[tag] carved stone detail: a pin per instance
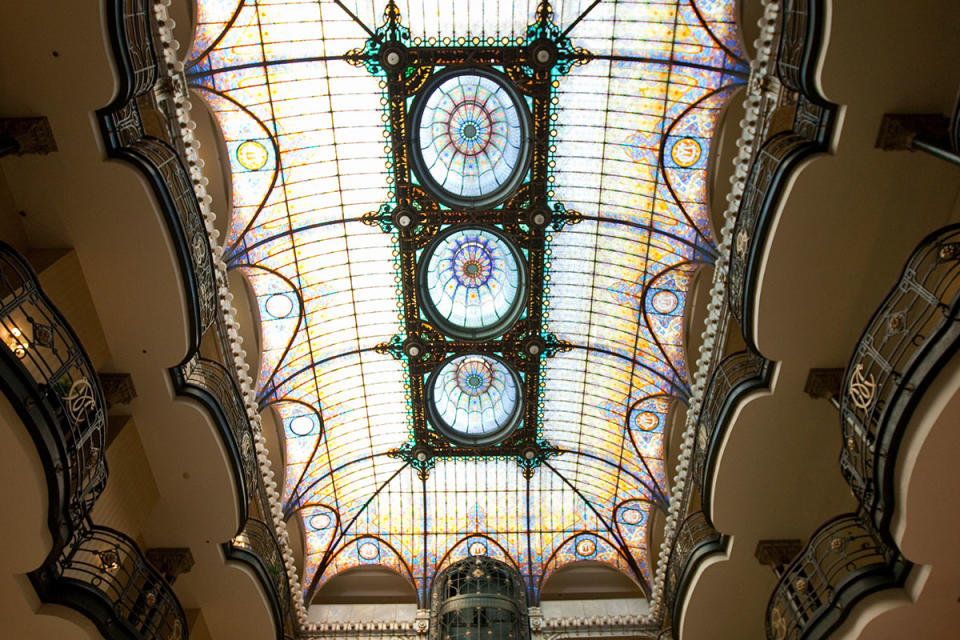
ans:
(777, 554)
(30, 135)
(117, 388)
(824, 383)
(422, 622)
(899, 130)
(536, 619)
(170, 561)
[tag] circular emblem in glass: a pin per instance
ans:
(472, 282)
(471, 140)
(474, 399)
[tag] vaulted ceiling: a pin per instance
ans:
(413, 438)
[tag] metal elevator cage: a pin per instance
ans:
(479, 598)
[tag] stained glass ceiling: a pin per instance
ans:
(534, 434)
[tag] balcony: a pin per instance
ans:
(695, 540)
(733, 378)
(844, 561)
(102, 573)
(50, 380)
(791, 122)
(142, 126)
(911, 335)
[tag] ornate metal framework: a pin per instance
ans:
(407, 67)
(479, 597)
(911, 335)
(796, 121)
(143, 125)
(844, 560)
(429, 217)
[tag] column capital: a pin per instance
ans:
(170, 561)
(824, 383)
(117, 388)
(777, 554)
(29, 135)
(899, 131)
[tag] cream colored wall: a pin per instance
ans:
(131, 493)
(11, 227)
(846, 227)
(61, 277)
(26, 539)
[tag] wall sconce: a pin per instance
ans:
(15, 343)
(109, 560)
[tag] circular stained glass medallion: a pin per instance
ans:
(473, 282)
(279, 305)
(320, 521)
(647, 420)
(474, 399)
(252, 155)
(664, 301)
(631, 516)
(368, 551)
(301, 425)
(470, 131)
(478, 549)
(586, 547)
(686, 152)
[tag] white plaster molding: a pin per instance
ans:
(175, 69)
(760, 69)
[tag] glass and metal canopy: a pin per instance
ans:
(470, 228)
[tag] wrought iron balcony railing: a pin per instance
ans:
(912, 333)
(696, 538)
(102, 573)
(845, 560)
(52, 383)
(211, 383)
(735, 375)
(140, 127)
(258, 541)
(50, 378)
(795, 122)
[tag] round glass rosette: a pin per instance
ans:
(474, 399)
(472, 282)
(470, 138)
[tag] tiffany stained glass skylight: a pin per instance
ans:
(319, 103)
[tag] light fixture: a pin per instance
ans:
(109, 560)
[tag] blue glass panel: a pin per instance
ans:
(472, 138)
(473, 279)
(476, 395)
(629, 142)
